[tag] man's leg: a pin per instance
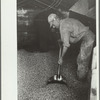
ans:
(84, 56)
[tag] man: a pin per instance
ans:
(72, 31)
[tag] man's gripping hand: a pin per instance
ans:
(60, 61)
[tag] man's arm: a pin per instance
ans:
(65, 47)
(64, 50)
(61, 56)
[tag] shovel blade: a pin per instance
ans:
(56, 79)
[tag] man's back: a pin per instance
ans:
(74, 26)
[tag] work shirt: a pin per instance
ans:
(71, 31)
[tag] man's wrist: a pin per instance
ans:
(67, 46)
(61, 58)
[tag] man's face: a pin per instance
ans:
(54, 24)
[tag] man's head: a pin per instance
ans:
(53, 20)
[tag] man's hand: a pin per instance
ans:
(60, 61)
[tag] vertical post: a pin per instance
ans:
(93, 89)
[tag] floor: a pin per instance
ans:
(34, 70)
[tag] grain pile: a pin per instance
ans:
(34, 69)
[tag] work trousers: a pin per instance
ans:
(85, 52)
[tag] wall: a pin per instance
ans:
(85, 7)
(80, 7)
(24, 19)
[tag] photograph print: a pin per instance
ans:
(56, 50)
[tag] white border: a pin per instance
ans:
(9, 49)
(97, 43)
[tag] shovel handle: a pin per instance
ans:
(60, 53)
(59, 70)
(60, 48)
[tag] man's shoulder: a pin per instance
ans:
(66, 21)
(66, 24)
(70, 19)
